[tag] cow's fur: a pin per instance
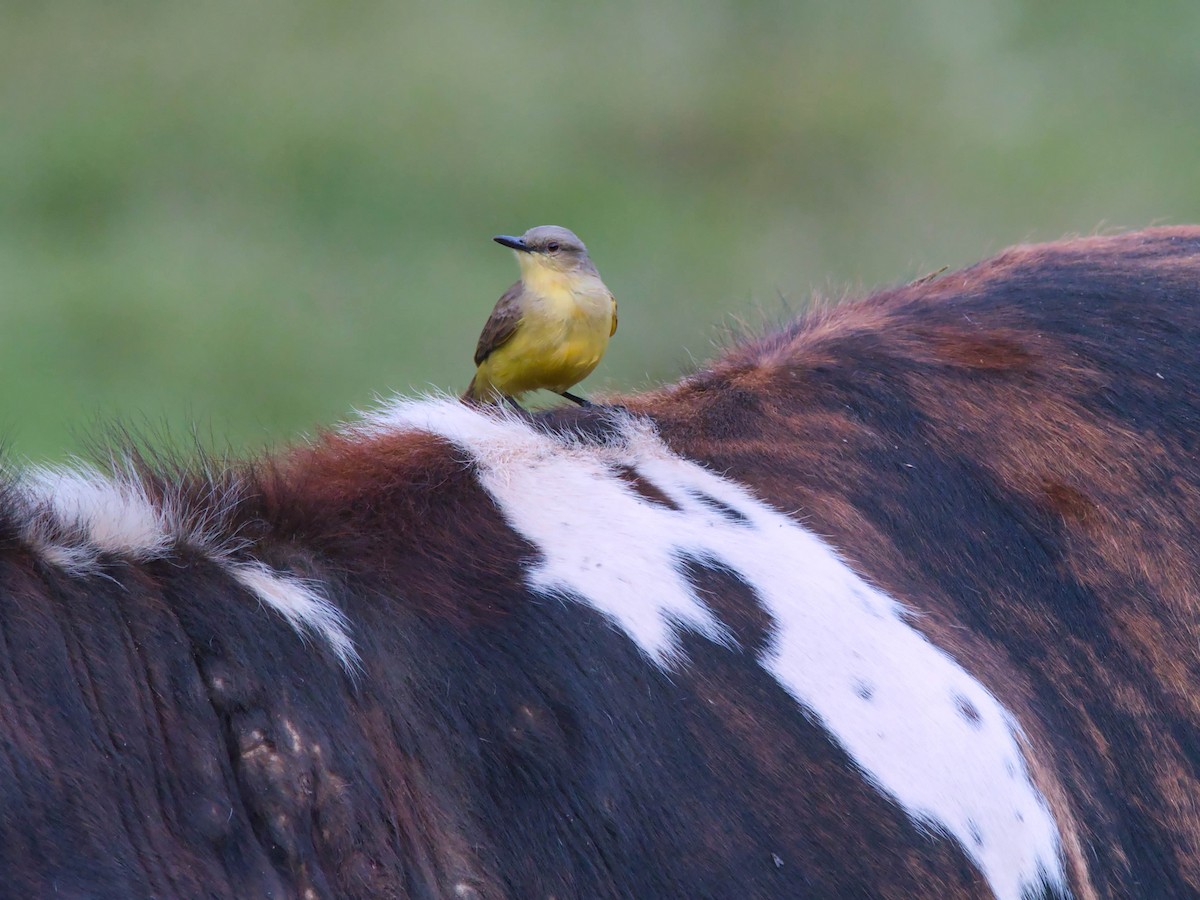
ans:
(902, 600)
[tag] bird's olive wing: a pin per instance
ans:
(501, 324)
(614, 327)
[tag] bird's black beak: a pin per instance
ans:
(515, 242)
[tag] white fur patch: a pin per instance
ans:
(842, 648)
(299, 601)
(77, 514)
(73, 516)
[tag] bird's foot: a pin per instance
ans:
(586, 404)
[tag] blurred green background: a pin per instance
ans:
(253, 217)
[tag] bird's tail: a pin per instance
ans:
(468, 396)
(476, 397)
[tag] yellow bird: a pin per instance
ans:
(550, 329)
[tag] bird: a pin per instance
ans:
(550, 329)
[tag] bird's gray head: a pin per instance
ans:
(549, 246)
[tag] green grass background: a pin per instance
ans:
(249, 218)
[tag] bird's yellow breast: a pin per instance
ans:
(562, 335)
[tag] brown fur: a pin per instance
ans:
(1024, 372)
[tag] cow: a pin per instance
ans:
(901, 599)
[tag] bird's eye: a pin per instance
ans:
(552, 246)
